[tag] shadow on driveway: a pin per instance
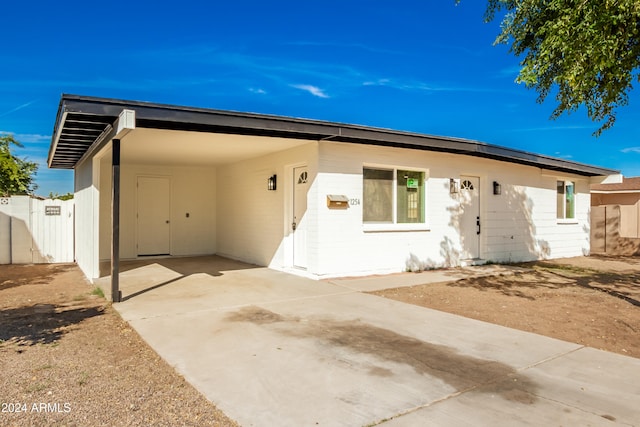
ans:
(462, 372)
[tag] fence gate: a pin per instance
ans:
(36, 231)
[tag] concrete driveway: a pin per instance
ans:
(273, 349)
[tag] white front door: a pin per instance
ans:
(299, 223)
(154, 213)
(470, 216)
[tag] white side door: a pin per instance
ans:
(470, 216)
(299, 223)
(154, 213)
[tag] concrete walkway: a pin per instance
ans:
(273, 349)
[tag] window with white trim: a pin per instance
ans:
(393, 196)
(566, 200)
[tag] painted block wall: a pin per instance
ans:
(520, 224)
(253, 223)
(193, 191)
(86, 198)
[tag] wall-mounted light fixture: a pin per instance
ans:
(497, 188)
(271, 183)
(454, 186)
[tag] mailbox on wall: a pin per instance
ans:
(337, 201)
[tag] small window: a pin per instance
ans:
(566, 200)
(410, 196)
(393, 196)
(467, 185)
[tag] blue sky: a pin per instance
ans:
(422, 66)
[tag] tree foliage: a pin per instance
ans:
(67, 196)
(16, 174)
(586, 50)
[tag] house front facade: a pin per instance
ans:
(315, 198)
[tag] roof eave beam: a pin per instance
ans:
(56, 138)
(124, 124)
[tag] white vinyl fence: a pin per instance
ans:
(36, 231)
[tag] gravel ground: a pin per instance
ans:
(593, 301)
(68, 359)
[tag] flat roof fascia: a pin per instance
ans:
(173, 117)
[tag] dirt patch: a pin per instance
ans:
(594, 301)
(69, 359)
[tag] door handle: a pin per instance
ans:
(478, 225)
(293, 226)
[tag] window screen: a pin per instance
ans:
(377, 195)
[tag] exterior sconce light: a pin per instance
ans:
(454, 186)
(271, 183)
(497, 188)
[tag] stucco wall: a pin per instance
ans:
(520, 224)
(599, 199)
(628, 221)
(615, 230)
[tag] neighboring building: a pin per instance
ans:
(615, 217)
(317, 198)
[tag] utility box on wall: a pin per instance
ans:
(337, 201)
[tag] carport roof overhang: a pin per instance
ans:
(83, 124)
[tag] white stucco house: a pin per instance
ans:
(317, 198)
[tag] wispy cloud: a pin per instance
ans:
(413, 85)
(240, 68)
(227, 62)
(32, 138)
(549, 128)
(512, 71)
(313, 90)
(631, 150)
(350, 46)
(28, 138)
(18, 108)
(258, 91)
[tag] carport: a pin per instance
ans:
(154, 181)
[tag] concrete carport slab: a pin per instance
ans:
(269, 348)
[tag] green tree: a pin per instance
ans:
(55, 195)
(16, 174)
(587, 51)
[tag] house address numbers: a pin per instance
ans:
(52, 210)
(354, 202)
